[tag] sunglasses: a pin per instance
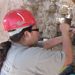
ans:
(35, 29)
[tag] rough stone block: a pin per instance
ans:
(63, 9)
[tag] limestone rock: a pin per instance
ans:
(63, 9)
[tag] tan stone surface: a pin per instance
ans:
(3, 11)
(50, 12)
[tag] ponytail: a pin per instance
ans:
(4, 47)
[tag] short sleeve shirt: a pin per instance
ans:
(22, 60)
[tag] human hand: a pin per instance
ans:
(64, 27)
(72, 32)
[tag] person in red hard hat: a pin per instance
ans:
(23, 54)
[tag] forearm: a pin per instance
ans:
(52, 42)
(67, 46)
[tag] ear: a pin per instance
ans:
(27, 34)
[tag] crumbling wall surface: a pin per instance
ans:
(15, 4)
(5, 6)
(3, 11)
(73, 19)
(45, 12)
(50, 12)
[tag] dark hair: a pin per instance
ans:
(5, 46)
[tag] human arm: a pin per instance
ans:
(57, 40)
(67, 45)
(52, 42)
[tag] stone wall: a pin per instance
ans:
(3, 10)
(50, 12)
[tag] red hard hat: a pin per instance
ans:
(18, 18)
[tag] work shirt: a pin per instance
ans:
(22, 60)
